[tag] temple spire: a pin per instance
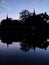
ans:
(7, 16)
(34, 12)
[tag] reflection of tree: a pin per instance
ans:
(29, 44)
(25, 47)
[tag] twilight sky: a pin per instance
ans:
(14, 7)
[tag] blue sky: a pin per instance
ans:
(14, 7)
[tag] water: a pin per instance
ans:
(13, 54)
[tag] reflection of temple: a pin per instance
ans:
(34, 43)
(27, 46)
(29, 41)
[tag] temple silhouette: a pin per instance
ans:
(31, 29)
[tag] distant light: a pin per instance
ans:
(47, 21)
(47, 40)
(44, 19)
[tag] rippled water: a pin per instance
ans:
(13, 55)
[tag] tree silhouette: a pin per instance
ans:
(24, 14)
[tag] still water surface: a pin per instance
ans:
(13, 55)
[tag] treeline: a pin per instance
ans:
(29, 26)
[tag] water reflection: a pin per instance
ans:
(27, 41)
(14, 56)
(25, 49)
